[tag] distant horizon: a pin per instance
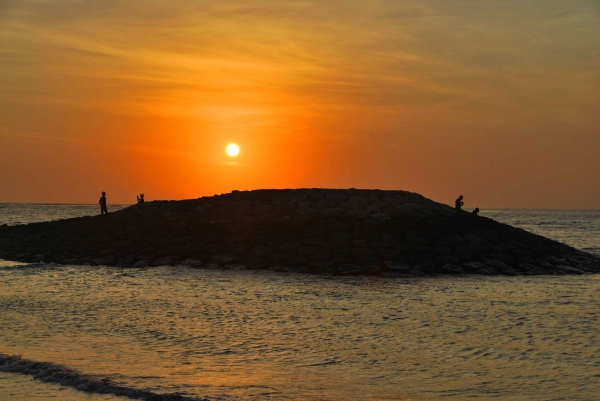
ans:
(450, 204)
(159, 200)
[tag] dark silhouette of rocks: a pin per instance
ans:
(320, 231)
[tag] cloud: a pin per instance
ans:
(388, 79)
(368, 54)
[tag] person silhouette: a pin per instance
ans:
(458, 204)
(102, 203)
(475, 211)
(140, 198)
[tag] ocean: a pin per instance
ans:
(251, 335)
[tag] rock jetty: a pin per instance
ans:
(319, 231)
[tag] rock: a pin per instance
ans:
(140, 264)
(397, 267)
(443, 250)
(359, 201)
(402, 211)
(335, 196)
(452, 269)
(372, 198)
(303, 197)
(501, 267)
(318, 231)
(327, 271)
(473, 267)
(443, 260)
(166, 261)
(257, 264)
(261, 251)
(203, 207)
(480, 268)
(222, 224)
(381, 217)
(235, 267)
(320, 255)
(426, 267)
(416, 259)
(40, 258)
(453, 240)
(126, 261)
(569, 270)
(348, 269)
(332, 212)
(193, 263)
(262, 208)
(416, 239)
(214, 248)
(413, 206)
(357, 213)
(335, 245)
(224, 258)
(105, 261)
(532, 270)
(466, 252)
(373, 268)
(248, 220)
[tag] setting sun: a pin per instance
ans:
(233, 149)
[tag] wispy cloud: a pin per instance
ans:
(330, 71)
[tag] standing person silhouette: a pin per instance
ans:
(458, 204)
(102, 203)
(140, 198)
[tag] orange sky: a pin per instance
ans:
(498, 101)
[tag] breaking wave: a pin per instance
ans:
(53, 373)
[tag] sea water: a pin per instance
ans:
(246, 335)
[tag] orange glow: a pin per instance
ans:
(435, 98)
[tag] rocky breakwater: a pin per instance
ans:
(320, 231)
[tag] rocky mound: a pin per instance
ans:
(334, 232)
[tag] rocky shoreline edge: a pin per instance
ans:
(317, 231)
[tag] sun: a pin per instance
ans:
(233, 149)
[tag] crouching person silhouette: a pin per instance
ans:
(458, 204)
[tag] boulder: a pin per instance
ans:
(335, 196)
(348, 269)
(397, 267)
(224, 258)
(193, 263)
(140, 264)
(166, 261)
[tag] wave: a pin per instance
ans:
(54, 373)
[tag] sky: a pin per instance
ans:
(496, 100)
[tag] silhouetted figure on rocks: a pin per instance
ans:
(458, 204)
(475, 211)
(102, 203)
(141, 198)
